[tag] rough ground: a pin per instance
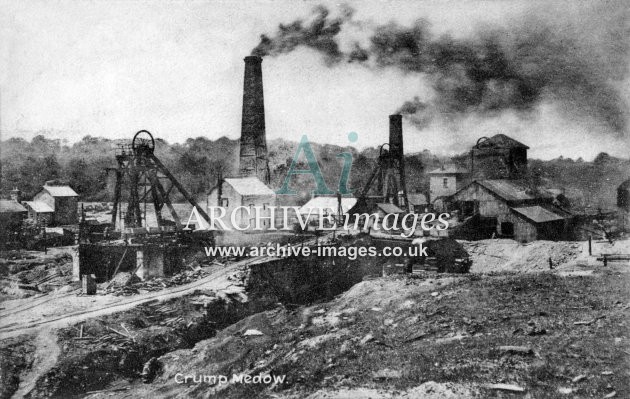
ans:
(429, 336)
(426, 337)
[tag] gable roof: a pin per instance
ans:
(328, 203)
(10, 206)
(249, 186)
(509, 190)
(39, 206)
(501, 141)
(537, 214)
(60, 191)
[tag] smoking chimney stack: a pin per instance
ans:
(397, 161)
(253, 159)
(396, 136)
(389, 175)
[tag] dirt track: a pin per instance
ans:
(45, 357)
(25, 319)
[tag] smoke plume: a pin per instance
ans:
(319, 34)
(536, 60)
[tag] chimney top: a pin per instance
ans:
(252, 59)
(16, 194)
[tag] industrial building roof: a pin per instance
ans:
(10, 206)
(501, 141)
(249, 186)
(537, 214)
(39, 206)
(327, 203)
(60, 191)
(509, 190)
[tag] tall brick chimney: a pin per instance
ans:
(253, 160)
(396, 136)
(397, 161)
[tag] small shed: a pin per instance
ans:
(537, 223)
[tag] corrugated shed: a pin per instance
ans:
(537, 214)
(248, 186)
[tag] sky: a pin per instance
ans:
(175, 68)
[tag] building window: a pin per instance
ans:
(225, 202)
(265, 207)
(445, 182)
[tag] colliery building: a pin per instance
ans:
(492, 197)
(446, 181)
(61, 199)
(249, 192)
(498, 157)
(510, 209)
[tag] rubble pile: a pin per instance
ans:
(490, 256)
(125, 284)
(24, 274)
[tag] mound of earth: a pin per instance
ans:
(490, 256)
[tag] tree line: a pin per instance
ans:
(86, 165)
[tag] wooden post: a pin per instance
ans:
(590, 245)
(89, 284)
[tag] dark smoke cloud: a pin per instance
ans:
(494, 70)
(319, 34)
(418, 112)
